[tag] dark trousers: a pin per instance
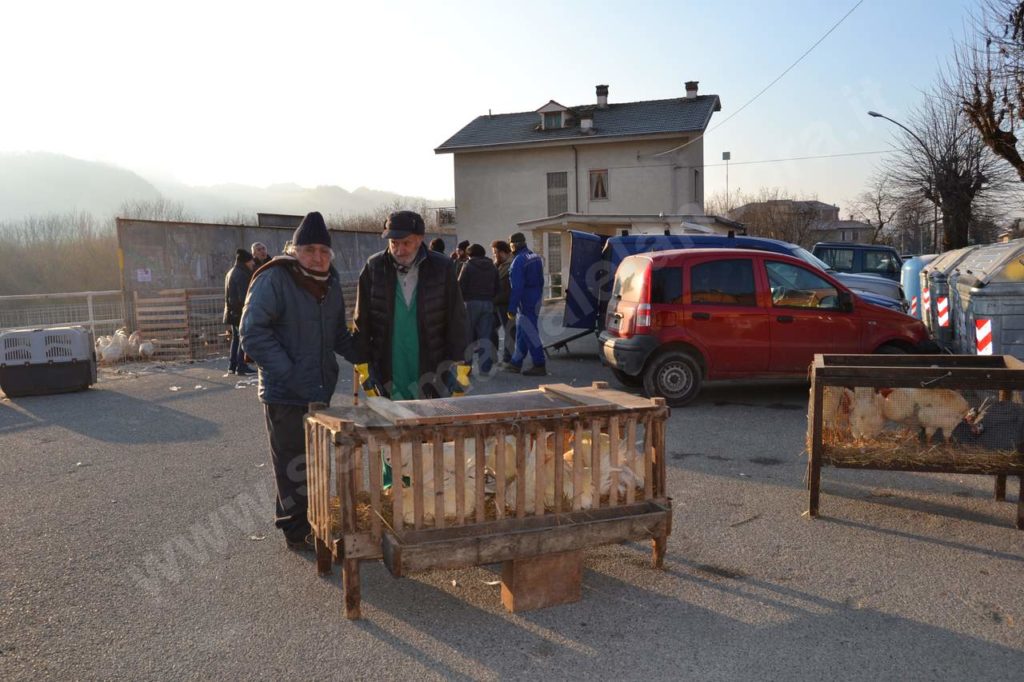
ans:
(480, 316)
(236, 357)
(286, 430)
(501, 321)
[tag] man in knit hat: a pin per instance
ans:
(409, 314)
(292, 326)
(236, 282)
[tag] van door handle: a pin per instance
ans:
(702, 316)
(785, 318)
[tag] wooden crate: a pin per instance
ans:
(469, 520)
(833, 443)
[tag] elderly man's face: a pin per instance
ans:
(314, 257)
(259, 251)
(404, 250)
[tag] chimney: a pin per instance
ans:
(587, 124)
(691, 89)
(602, 96)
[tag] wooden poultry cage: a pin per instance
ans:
(941, 404)
(485, 499)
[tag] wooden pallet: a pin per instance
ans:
(164, 318)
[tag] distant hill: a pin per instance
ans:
(38, 184)
(35, 183)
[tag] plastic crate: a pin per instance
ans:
(43, 361)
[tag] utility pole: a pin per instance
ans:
(725, 157)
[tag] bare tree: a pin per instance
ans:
(156, 209)
(990, 75)
(878, 205)
(944, 157)
(773, 213)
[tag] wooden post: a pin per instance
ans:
(659, 545)
(481, 461)
(542, 581)
(559, 464)
(460, 477)
(499, 473)
(350, 583)
(1020, 503)
(437, 446)
(814, 462)
(1000, 488)
(376, 483)
(323, 556)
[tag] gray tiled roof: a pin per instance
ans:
(680, 115)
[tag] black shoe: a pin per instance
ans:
(304, 544)
(513, 369)
(536, 371)
(245, 370)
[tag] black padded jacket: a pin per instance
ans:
(441, 317)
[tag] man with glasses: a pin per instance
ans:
(292, 326)
(409, 317)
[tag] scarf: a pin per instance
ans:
(316, 283)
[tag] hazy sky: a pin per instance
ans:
(359, 94)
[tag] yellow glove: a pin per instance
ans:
(461, 380)
(368, 384)
(511, 316)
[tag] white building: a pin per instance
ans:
(603, 167)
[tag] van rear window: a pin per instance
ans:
(841, 260)
(629, 280)
(723, 282)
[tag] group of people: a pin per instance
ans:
(419, 316)
(498, 292)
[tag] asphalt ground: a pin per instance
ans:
(138, 544)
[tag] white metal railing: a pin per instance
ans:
(92, 309)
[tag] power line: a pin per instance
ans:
(789, 68)
(765, 88)
(805, 158)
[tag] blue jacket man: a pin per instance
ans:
(526, 277)
(292, 326)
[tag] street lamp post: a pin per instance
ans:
(725, 157)
(933, 189)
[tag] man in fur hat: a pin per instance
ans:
(292, 326)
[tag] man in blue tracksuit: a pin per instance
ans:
(526, 277)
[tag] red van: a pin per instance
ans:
(678, 318)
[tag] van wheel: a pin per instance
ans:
(890, 349)
(673, 375)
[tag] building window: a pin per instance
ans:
(558, 193)
(552, 120)
(599, 184)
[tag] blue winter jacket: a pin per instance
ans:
(526, 277)
(293, 338)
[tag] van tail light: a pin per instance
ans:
(643, 318)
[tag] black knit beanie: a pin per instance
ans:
(242, 257)
(312, 230)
